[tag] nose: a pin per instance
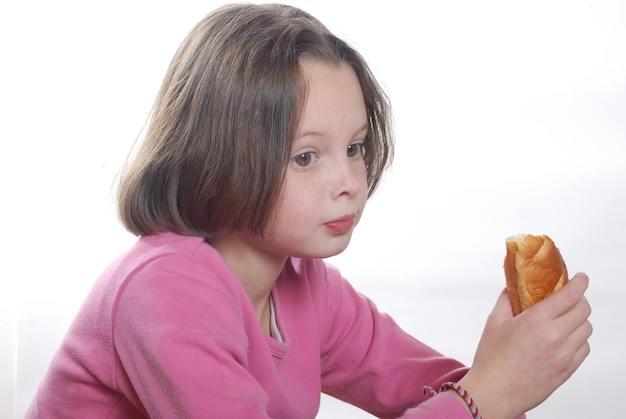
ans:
(348, 178)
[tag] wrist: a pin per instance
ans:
(485, 395)
(464, 397)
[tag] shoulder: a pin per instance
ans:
(169, 274)
(171, 245)
(170, 254)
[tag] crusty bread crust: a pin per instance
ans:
(533, 268)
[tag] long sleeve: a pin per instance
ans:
(368, 360)
(168, 331)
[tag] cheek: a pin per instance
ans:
(362, 175)
(300, 188)
(364, 186)
(291, 203)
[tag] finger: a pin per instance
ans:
(575, 347)
(582, 334)
(581, 353)
(563, 300)
(576, 316)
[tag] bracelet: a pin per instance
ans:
(461, 392)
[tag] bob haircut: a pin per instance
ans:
(221, 129)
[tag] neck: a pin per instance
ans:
(257, 269)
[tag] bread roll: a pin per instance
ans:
(533, 268)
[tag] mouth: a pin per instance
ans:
(341, 225)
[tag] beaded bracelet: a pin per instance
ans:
(461, 392)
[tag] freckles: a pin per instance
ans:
(294, 200)
(361, 174)
(302, 188)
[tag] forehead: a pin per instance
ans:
(333, 99)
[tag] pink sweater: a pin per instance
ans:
(169, 332)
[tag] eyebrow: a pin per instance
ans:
(315, 133)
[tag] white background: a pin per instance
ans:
(510, 117)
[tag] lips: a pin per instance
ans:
(341, 225)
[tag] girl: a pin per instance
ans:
(266, 139)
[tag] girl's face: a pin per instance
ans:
(325, 186)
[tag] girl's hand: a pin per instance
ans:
(521, 360)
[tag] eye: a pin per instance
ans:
(304, 159)
(356, 149)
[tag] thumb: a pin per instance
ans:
(503, 310)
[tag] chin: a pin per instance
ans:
(319, 248)
(337, 248)
(331, 254)
(320, 253)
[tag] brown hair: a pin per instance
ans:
(221, 129)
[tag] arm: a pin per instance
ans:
(181, 345)
(367, 360)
